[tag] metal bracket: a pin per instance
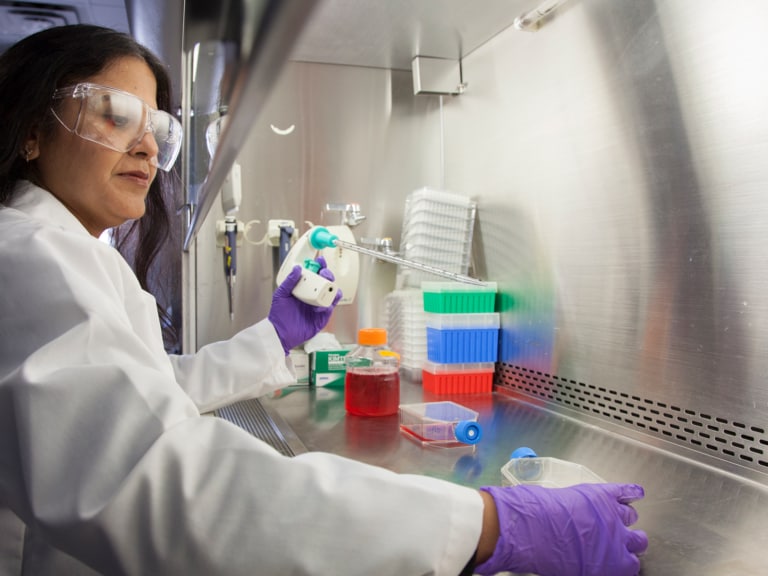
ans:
(350, 213)
(437, 76)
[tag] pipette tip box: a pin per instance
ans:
(440, 424)
(458, 298)
(458, 338)
(463, 378)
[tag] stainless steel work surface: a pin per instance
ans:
(700, 521)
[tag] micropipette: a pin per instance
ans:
(230, 261)
(321, 238)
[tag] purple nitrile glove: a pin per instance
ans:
(581, 530)
(295, 321)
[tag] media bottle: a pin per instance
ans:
(372, 381)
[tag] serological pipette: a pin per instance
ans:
(321, 237)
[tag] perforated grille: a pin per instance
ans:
(741, 442)
(251, 416)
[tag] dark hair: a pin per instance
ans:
(30, 71)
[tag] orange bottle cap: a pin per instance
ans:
(372, 336)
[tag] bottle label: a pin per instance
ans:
(358, 362)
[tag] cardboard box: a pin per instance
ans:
(327, 367)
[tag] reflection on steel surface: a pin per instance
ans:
(618, 162)
(628, 239)
(700, 521)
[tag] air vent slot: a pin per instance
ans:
(251, 416)
(739, 442)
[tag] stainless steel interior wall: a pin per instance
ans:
(329, 134)
(618, 158)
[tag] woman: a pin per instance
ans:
(106, 464)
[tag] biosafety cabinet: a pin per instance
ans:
(616, 151)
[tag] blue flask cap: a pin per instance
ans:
(468, 432)
(527, 467)
(522, 452)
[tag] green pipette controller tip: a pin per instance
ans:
(312, 265)
(321, 238)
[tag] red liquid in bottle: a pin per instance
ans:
(372, 394)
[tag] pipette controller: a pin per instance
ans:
(313, 289)
(321, 237)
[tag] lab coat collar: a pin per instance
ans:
(40, 204)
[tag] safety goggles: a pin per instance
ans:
(119, 120)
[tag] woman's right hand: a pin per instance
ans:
(296, 322)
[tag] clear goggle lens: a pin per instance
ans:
(119, 120)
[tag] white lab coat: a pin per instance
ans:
(105, 457)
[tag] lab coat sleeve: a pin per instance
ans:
(248, 365)
(103, 453)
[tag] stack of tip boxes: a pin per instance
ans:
(462, 337)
